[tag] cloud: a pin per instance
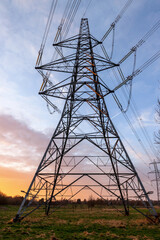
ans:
(21, 146)
(21, 151)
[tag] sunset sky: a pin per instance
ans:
(25, 123)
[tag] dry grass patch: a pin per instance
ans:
(6, 229)
(61, 221)
(112, 235)
(139, 238)
(54, 238)
(110, 223)
(110, 210)
(133, 237)
(33, 219)
(85, 233)
(139, 222)
(42, 235)
(79, 222)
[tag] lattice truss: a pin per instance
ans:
(85, 155)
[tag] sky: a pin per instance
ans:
(25, 123)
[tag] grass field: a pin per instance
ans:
(82, 223)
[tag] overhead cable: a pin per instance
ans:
(128, 3)
(142, 40)
(63, 29)
(87, 8)
(139, 70)
(136, 115)
(47, 28)
(130, 85)
(132, 127)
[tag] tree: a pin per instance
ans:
(3, 199)
(79, 201)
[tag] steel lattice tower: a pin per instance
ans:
(156, 172)
(94, 160)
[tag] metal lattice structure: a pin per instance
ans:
(95, 159)
(156, 173)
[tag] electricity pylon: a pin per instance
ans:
(85, 152)
(156, 172)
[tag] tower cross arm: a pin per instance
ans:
(139, 70)
(73, 41)
(129, 78)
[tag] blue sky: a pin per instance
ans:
(26, 124)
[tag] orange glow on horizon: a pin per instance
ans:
(12, 181)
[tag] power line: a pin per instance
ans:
(119, 16)
(130, 123)
(142, 41)
(136, 115)
(138, 70)
(47, 28)
(63, 29)
(87, 8)
(139, 157)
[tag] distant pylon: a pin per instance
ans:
(156, 172)
(85, 153)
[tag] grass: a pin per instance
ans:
(80, 224)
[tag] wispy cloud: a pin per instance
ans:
(21, 146)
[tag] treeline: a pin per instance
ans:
(17, 200)
(7, 200)
(99, 202)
